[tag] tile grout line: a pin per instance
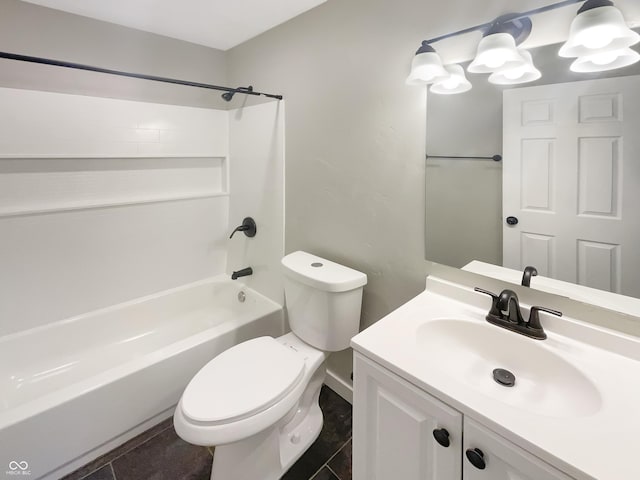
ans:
(140, 444)
(334, 473)
(113, 472)
(326, 464)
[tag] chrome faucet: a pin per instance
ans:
(505, 312)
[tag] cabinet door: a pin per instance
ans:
(393, 425)
(502, 459)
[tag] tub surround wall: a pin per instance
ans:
(105, 200)
(34, 30)
(256, 167)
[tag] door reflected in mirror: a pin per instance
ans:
(569, 180)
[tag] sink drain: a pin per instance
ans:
(504, 377)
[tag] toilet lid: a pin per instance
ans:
(242, 381)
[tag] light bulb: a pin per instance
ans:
(605, 58)
(451, 83)
(515, 73)
(597, 37)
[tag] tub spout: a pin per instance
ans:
(242, 273)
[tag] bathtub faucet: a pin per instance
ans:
(242, 273)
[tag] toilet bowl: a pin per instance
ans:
(257, 402)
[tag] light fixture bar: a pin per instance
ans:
(486, 26)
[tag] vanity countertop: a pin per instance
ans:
(577, 393)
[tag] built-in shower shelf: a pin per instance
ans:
(67, 208)
(49, 184)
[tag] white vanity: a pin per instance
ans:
(426, 405)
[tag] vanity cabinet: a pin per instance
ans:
(393, 426)
(401, 432)
(503, 460)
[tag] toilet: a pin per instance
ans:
(257, 402)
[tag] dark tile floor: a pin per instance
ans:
(159, 454)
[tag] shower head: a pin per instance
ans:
(228, 96)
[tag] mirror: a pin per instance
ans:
(465, 216)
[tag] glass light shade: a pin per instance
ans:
(513, 76)
(496, 52)
(426, 68)
(455, 82)
(598, 30)
(602, 62)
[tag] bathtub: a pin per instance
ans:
(75, 389)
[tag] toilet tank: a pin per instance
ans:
(323, 300)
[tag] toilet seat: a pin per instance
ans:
(222, 432)
(242, 382)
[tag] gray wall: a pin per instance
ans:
(38, 31)
(355, 134)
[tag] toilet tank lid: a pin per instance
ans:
(321, 273)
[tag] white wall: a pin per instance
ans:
(256, 165)
(105, 200)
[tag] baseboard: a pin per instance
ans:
(342, 387)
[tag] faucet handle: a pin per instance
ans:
(534, 318)
(494, 300)
(248, 227)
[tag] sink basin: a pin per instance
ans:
(469, 351)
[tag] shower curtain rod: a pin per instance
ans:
(79, 66)
(495, 158)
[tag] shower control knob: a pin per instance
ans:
(442, 437)
(512, 220)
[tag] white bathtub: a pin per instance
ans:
(73, 390)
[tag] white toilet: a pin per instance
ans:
(257, 402)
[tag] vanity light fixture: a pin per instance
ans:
(498, 48)
(426, 66)
(514, 76)
(605, 61)
(455, 82)
(599, 40)
(598, 28)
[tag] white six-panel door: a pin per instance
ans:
(572, 179)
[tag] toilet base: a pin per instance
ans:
(270, 453)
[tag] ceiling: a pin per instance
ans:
(213, 23)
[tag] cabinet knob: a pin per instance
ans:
(476, 457)
(442, 436)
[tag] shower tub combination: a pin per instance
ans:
(75, 389)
